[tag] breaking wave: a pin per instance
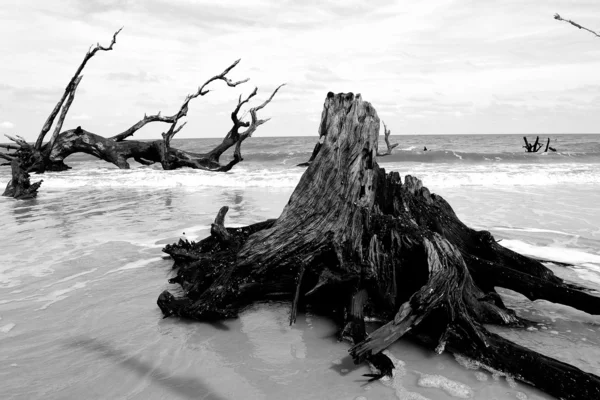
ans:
(272, 176)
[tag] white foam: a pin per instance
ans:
(9, 275)
(68, 278)
(7, 328)
(481, 376)
(59, 295)
(467, 362)
(395, 382)
(559, 254)
(453, 388)
(134, 265)
(511, 382)
(534, 230)
(587, 275)
(184, 178)
(442, 175)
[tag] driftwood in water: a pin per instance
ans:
(390, 147)
(20, 186)
(536, 146)
(357, 239)
(50, 155)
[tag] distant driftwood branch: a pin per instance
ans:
(575, 24)
(535, 147)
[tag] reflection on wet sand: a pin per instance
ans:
(183, 387)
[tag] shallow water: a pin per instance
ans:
(82, 268)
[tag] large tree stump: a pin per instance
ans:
(354, 238)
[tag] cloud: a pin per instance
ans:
(141, 76)
(7, 125)
(80, 117)
(452, 65)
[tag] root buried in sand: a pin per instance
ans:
(358, 241)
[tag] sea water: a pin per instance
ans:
(81, 268)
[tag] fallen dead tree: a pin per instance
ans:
(354, 241)
(50, 155)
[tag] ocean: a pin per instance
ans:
(81, 268)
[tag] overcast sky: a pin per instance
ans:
(428, 67)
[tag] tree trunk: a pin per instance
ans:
(119, 152)
(20, 187)
(353, 237)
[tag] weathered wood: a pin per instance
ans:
(70, 89)
(527, 145)
(20, 186)
(576, 25)
(354, 238)
(536, 146)
(117, 150)
(217, 229)
(390, 147)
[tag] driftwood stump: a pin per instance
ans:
(356, 239)
(20, 186)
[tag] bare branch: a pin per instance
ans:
(254, 124)
(70, 87)
(270, 98)
(9, 147)
(222, 77)
(19, 140)
(575, 24)
(390, 147)
(167, 136)
(141, 123)
(6, 156)
(234, 117)
(63, 114)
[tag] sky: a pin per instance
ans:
(428, 67)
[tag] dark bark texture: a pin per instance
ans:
(358, 240)
(20, 186)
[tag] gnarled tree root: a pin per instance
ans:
(356, 239)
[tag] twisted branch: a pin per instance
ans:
(390, 147)
(71, 86)
(19, 140)
(63, 114)
(140, 124)
(167, 136)
(254, 124)
(575, 24)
